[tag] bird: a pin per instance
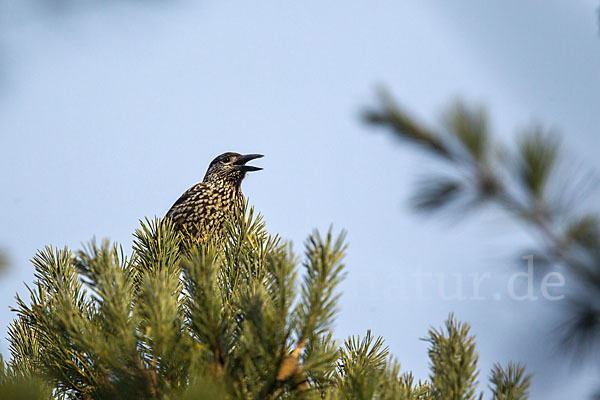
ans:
(204, 207)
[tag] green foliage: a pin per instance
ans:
(510, 383)
(365, 371)
(323, 273)
(357, 356)
(470, 127)
(405, 126)
(522, 182)
(14, 386)
(538, 153)
(219, 318)
(453, 362)
(433, 194)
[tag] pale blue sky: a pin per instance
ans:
(109, 112)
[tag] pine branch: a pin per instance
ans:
(511, 383)
(324, 271)
(453, 361)
(519, 183)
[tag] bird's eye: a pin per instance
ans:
(225, 160)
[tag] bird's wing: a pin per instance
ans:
(185, 202)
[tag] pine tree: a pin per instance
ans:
(222, 318)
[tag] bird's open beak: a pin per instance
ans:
(241, 162)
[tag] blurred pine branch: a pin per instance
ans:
(523, 182)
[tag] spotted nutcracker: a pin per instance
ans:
(204, 206)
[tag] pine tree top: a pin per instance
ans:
(226, 317)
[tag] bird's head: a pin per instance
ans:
(230, 167)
